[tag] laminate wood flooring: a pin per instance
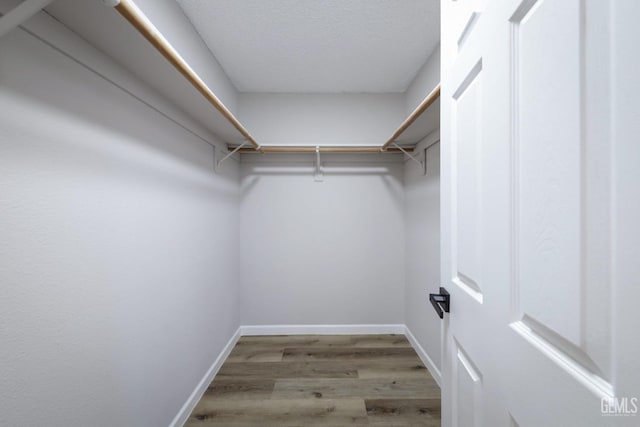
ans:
(320, 380)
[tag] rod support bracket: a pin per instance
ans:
(422, 162)
(217, 163)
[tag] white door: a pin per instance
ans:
(540, 211)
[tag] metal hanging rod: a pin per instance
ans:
(426, 103)
(131, 13)
(313, 148)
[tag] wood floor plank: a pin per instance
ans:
(354, 354)
(375, 388)
(255, 355)
(297, 341)
(240, 389)
(278, 370)
(283, 341)
(273, 412)
(403, 412)
(393, 370)
(368, 341)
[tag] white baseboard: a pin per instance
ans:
(322, 329)
(424, 356)
(195, 396)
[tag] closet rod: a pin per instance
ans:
(426, 103)
(131, 13)
(312, 149)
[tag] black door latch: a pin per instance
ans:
(440, 302)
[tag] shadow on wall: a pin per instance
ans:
(247, 185)
(96, 117)
(331, 164)
(388, 168)
(326, 171)
(396, 191)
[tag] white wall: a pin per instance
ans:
(119, 279)
(422, 226)
(422, 222)
(328, 252)
(167, 16)
(321, 119)
(424, 82)
(109, 32)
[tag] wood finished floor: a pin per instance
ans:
(320, 380)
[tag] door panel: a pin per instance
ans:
(557, 299)
(468, 391)
(464, 221)
(547, 133)
(464, 19)
(467, 143)
(528, 212)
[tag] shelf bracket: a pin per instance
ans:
(422, 163)
(317, 176)
(217, 163)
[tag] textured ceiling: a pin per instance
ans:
(318, 46)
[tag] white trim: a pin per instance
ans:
(424, 356)
(20, 14)
(322, 329)
(183, 415)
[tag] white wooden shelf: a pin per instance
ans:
(420, 123)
